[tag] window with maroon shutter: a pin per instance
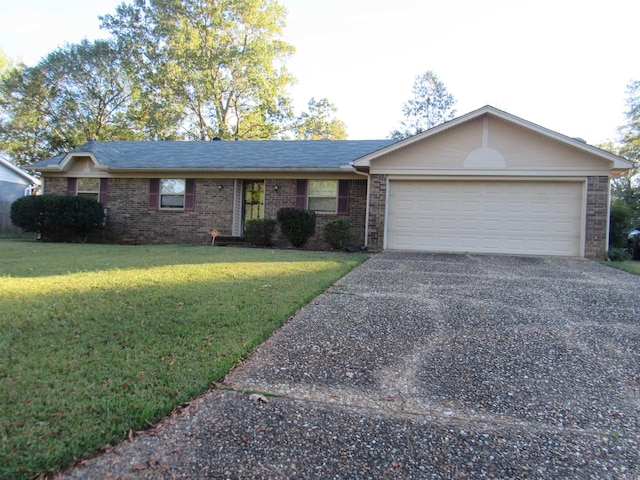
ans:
(190, 195)
(104, 190)
(322, 196)
(154, 193)
(172, 193)
(72, 186)
(88, 187)
(343, 197)
(301, 194)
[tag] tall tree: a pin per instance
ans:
(625, 188)
(215, 67)
(320, 122)
(76, 93)
(630, 132)
(430, 106)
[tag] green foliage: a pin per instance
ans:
(621, 221)
(630, 133)
(616, 254)
(215, 66)
(75, 94)
(5, 63)
(297, 225)
(56, 217)
(260, 232)
(338, 233)
(100, 339)
(320, 123)
(175, 70)
(430, 106)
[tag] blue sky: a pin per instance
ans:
(563, 64)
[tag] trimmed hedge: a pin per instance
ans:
(338, 233)
(260, 232)
(297, 225)
(58, 218)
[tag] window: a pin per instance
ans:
(89, 187)
(96, 188)
(172, 192)
(322, 196)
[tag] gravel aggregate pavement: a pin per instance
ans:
(420, 365)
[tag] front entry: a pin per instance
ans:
(253, 200)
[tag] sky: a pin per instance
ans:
(562, 64)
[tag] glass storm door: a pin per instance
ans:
(253, 200)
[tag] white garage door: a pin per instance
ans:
(531, 218)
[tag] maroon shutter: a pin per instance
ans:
(72, 186)
(343, 197)
(190, 195)
(154, 193)
(301, 194)
(104, 190)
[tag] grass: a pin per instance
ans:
(628, 266)
(98, 340)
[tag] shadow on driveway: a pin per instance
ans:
(425, 366)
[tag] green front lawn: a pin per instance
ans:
(98, 340)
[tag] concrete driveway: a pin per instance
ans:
(424, 366)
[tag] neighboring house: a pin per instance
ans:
(14, 183)
(484, 182)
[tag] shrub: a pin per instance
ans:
(338, 233)
(618, 255)
(260, 232)
(57, 217)
(297, 225)
(620, 223)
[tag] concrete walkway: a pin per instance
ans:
(424, 366)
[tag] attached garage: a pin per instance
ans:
(490, 182)
(532, 218)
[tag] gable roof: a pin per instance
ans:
(13, 169)
(617, 163)
(219, 155)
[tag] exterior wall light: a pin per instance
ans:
(277, 187)
(220, 187)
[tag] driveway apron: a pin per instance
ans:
(423, 366)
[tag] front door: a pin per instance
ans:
(253, 200)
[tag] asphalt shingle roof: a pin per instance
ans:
(238, 155)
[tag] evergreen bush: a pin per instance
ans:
(297, 225)
(57, 218)
(618, 254)
(260, 232)
(338, 233)
(621, 217)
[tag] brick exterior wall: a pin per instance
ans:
(128, 217)
(286, 197)
(597, 218)
(377, 209)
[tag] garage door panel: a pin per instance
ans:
(540, 218)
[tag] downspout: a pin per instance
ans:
(366, 215)
(606, 246)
